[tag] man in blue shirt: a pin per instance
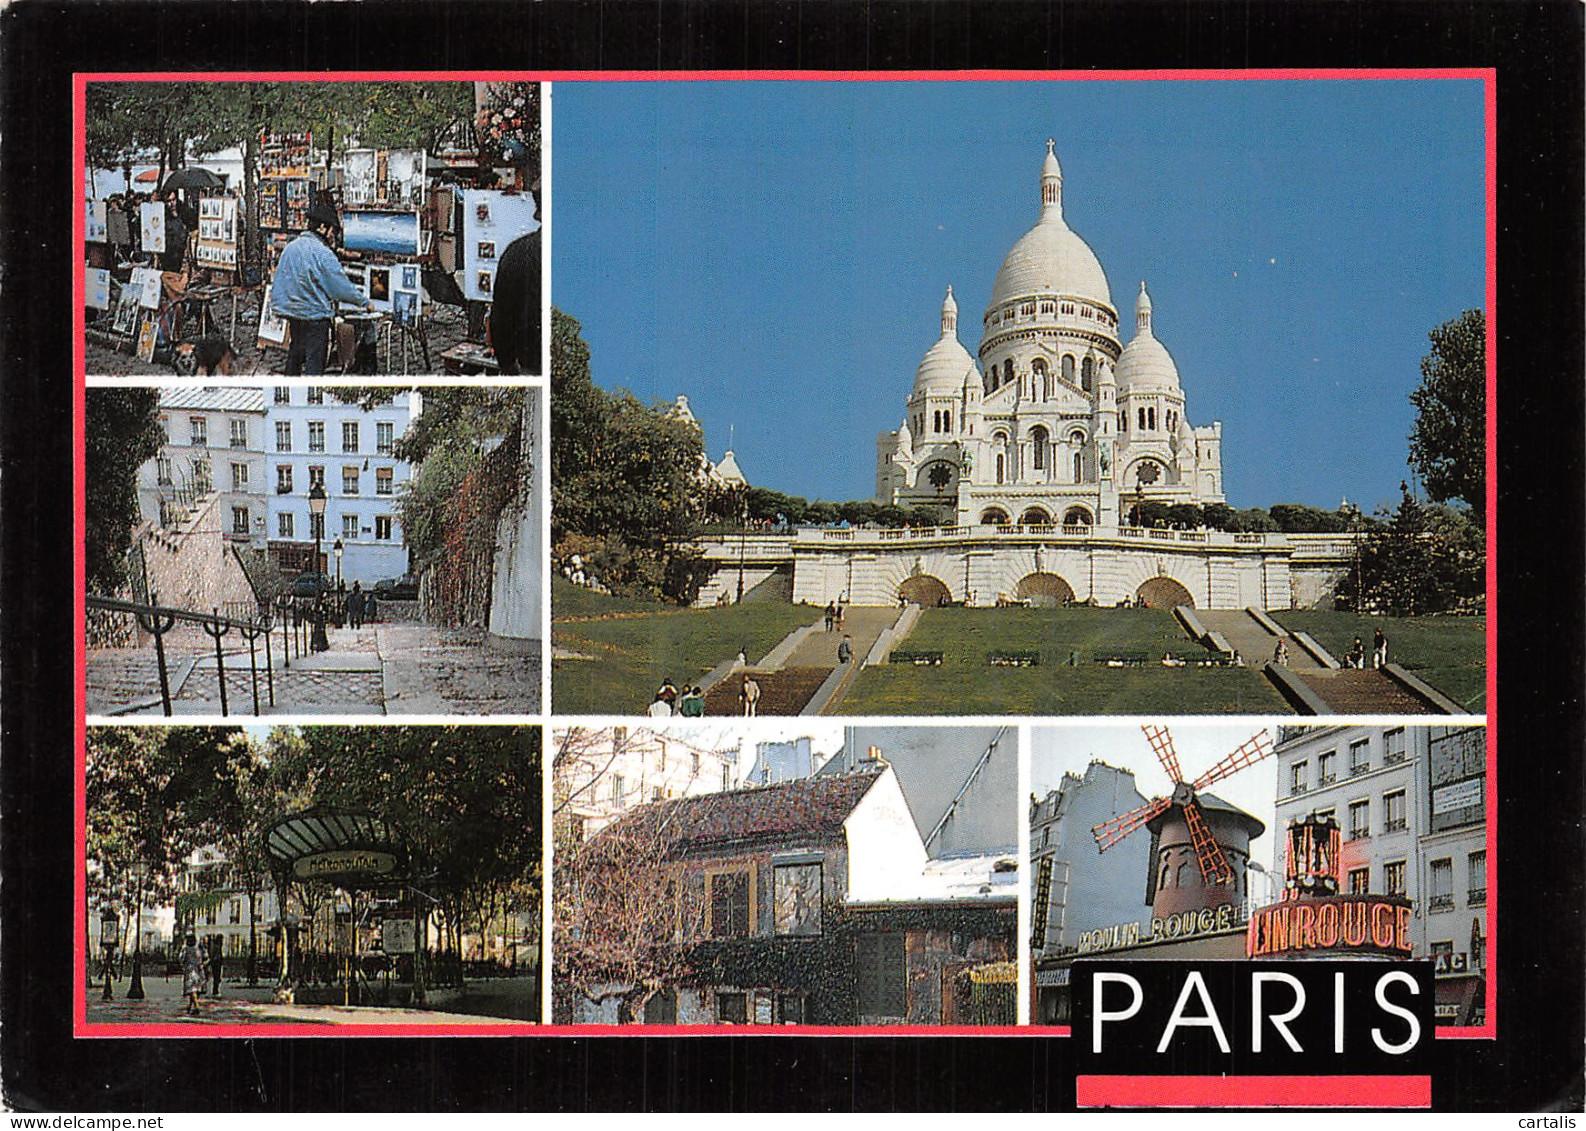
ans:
(309, 282)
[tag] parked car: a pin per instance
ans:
(310, 584)
(404, 588)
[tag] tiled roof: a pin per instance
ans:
(229, 399)
(802, 806)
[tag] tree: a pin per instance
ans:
(1416, 561)
(623, 470)
(1448, 444)
(121, 432)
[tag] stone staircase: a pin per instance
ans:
(1365, 691)
(784, 692)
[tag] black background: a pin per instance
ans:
(1537, 50)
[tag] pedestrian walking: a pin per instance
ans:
(831, 615)
(1379, 649)
(692, 703)
(1280, 654)
(355, 606)
(750, 697)
(192, 959)
(845, 650)
(217, 962)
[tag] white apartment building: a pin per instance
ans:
(312, 437)
(1411, 802)
(599, 777)
(214, 441)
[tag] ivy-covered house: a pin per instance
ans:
(814, 902)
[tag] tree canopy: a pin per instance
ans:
(1448, 444)
(121, 433)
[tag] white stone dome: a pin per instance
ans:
(1050, 259)
(1145, 363)
(945, 364)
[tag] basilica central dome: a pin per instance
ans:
(1050, 259)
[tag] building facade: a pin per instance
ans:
(312, 437)
(819, 906)
(1410, 802)
(213, 442)
(601, 774)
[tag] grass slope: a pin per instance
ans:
(966, 684)
(643, 643)
(1450, 653)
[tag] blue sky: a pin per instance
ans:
(778, 252)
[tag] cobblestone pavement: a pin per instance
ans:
(446, 326)
(400, 668)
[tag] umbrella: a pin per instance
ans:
(193, 177)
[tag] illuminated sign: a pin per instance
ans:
(342, 863)
(1373, 924)
(1168, 928)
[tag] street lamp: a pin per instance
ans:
(109, 927)
(316, 510)
(135, 990)
(337, 550)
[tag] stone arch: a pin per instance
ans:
(1044, 590)
(924, 590)
(1076, 516)
(1163, 593)
(1035, 516)
(995, 516)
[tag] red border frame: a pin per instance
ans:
(80, 1027)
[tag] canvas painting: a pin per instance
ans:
(146, 283)
(127, 311)
(410, 277)
(146, 336)
(96, 292)
(405, 307)
(386, 232)
(483, 282)
(95, 223)
(153, 219)
(380, 284)
(493, 219)
(272, 327)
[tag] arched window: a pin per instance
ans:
(1183, 874)
(1038, 443)
(994, 516)
(947, 420)
(1079, 468)
(1167, 872)
(1002, 467)
(1142, 418)
(1152, 418)
(1007, 371)
(1087, 374)
(1068, 368)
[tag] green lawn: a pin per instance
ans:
(965, 684)
(645, 643)
(1450, 653)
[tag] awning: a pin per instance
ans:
(346, 848)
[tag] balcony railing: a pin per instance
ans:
(1476, 897)
(1395, 826)
(1440, 903)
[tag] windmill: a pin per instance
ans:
(1214, 866)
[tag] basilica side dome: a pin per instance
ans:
(944, 365)
(1145, 363)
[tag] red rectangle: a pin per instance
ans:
(1254, 1091)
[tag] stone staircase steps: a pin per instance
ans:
(784, 692)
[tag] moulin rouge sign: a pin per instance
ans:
(1366, 924)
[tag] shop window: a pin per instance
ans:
(879, 972)
(1393, 818)
(797, 895)
(1440, 879)
(732, 1007)
(1359, 881)
(1393, 877)
(1476, 880)
(730, 910)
